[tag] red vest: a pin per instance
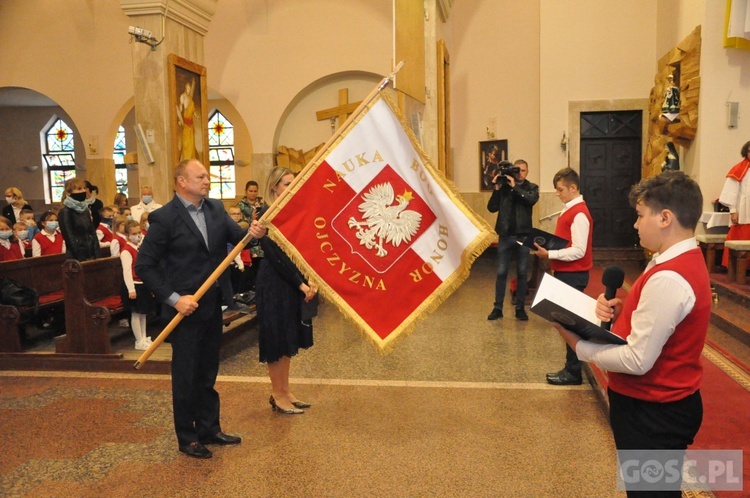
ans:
(106, 232)
(122, 240)
(677, 372)
(47, 246)
(134, 254)
(563, 229)
(15, 252)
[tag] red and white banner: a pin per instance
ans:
(384, 235)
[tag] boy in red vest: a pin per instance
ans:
(572, 264)
(654, 379)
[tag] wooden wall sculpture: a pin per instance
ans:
(295, 159)
(683, 62)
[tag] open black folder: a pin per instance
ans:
(544, 239)
(556, 301)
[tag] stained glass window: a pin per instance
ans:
(121, 169)
(59, 157)
(221, 156)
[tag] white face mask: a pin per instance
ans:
(9, 200)
(136, 239)
(23, 234)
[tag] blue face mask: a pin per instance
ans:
(107, 221)
(147, 199)
(52, 225)
(6, 235)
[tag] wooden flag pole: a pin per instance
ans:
(233, 254)
(196, 297)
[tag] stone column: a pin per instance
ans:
(180, 27)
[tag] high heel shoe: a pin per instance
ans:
(283, 411)
(301, 404)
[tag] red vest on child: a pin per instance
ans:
(134, 254)
(48, 246)
(15, 252)
(677, 372)
(563, 229)
(106, 232)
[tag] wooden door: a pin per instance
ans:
(610, 165)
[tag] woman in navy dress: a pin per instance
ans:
(280, 291)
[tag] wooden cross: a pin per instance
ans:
(342, 111)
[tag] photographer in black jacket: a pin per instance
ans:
(513, 199)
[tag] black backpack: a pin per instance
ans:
(15, 294)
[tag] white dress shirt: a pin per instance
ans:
(665, 301)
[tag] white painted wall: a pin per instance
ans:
(590, 50)
(725, 75)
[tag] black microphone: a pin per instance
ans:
(612, 278)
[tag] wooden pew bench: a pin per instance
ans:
(92, 298)
(710, 243)
(739, 250)
(44, 274)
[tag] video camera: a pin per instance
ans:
(507, 168)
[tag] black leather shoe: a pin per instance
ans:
(521, 315)
(239, 307)
(222, 439)
(196, 450)
(564, 378)
(496, 313)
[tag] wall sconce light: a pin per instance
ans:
(564, 142)
(31, 168)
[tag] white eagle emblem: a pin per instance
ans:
(384, 222)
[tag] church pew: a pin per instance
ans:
(44, 274)
(92, 297)
(711, 244)
(739, 251)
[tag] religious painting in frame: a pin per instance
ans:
(188, 104)
(491, 153)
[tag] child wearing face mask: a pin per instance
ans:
(10, 247)
(27, 216)
(138, 298)
(104, 231)
(21, 233)
(144, 224)
(76, 223)
(48, 240)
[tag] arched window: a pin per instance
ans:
(59, 156)
(221, 157)
(121, 169)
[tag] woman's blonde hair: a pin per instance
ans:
(16, 192)
(274, 177)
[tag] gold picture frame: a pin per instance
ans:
(188, 104)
